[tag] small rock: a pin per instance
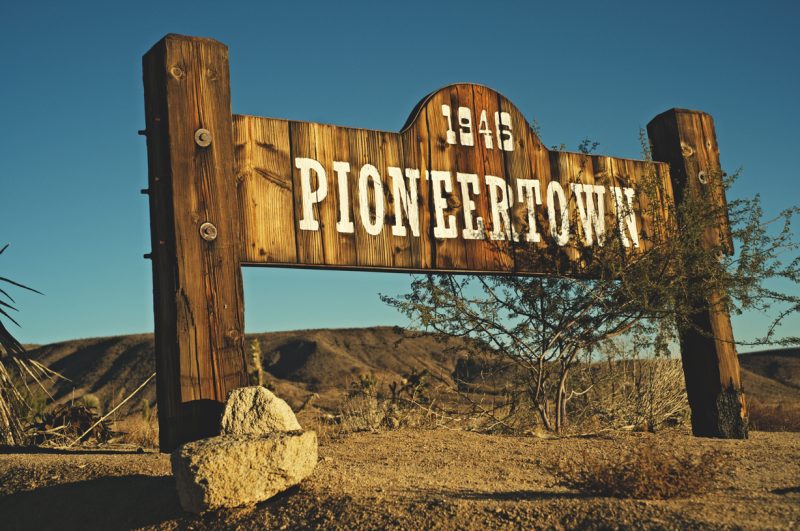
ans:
(234, 470)
(257, 411)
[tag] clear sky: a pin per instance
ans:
(71, 163)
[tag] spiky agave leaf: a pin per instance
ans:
(12, 401)
(10, 345)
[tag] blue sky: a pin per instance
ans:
(71, 163)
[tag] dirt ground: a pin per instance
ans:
(410, 479)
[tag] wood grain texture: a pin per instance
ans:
(263, 162)
(686, 140)
(197, 283)
(428, 143)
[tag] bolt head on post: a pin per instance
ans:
(208, 231)
(202, 137)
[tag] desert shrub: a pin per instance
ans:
(141, 430)
(69, 422)
(361, 409)
(635, 394)
(255, 368)
(409, 402)
(773, 417)
(89, 401)
(361, 413)
(642, 472)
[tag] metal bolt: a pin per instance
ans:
(202, 137)
(208, 231)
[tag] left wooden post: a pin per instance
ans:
(194, 227)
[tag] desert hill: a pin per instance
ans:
(779, 365)
(326, 361)
(298, 363)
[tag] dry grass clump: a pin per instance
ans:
(141, 430)
(773, 417)
(408, 403)
(642, 472)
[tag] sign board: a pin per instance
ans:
(466, 186)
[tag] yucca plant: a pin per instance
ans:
(13, 402)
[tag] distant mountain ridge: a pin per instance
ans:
(300, 363)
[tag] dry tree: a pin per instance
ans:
(543, 328)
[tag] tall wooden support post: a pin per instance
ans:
(197, 283)
(687, 141)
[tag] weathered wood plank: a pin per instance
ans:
(450, 251)
(415, 142)
(685, 139)
(265, 190)
(371, 153)
(197, 283)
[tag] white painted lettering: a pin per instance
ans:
(530, 190)
(626, 215)
(311, 198)
(345, 224)
(560, 232)
(471, 231)
(465, 127)
(370, 173)
(500, 197)
(447, 113)
(591, 214)
(442, 230)
(405, 199)
(483, 129)
(505, 139)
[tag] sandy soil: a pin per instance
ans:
(410, 479)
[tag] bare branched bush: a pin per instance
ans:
(626, 391)
(546, 332)
(642, 472)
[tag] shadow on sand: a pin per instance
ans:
(513, 495)
(124, 502)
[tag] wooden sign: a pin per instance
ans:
(465, 186)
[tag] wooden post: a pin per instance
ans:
(197, 283)
(686, 140)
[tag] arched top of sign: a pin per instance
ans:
(467, 93)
